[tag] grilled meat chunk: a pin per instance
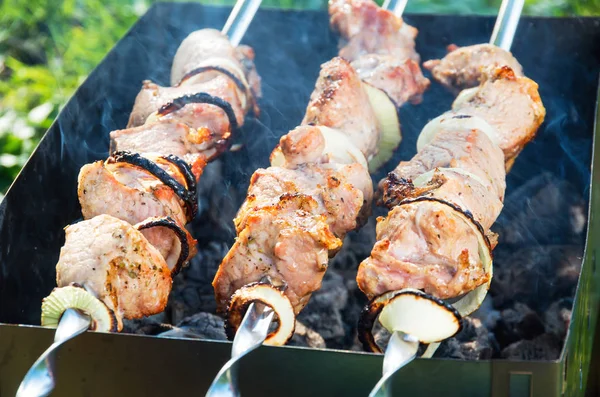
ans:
(509, 103)
(289, 225)
(338, 83)
(369, 29)
(401, 79)
(463, 67)
(133, 194)
(381, 47)
(423, 245)
(115, 261)
(453, 147)
(196, 115)
(168, 137)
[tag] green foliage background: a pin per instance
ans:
(48, 47)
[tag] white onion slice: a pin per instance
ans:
(388, 122)
(464, 96)
(339, 149)
(420, 315)
(269, 296)
(454, 120)
(76, 297)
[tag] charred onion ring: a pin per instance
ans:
(270, 296)
(169, 223)
(239, 83)
(186, 171)
(200, 97)
(189, 198)
(221, 144)
(74, 296)
(421, 300)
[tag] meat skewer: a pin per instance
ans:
(119, 261)
(318, 188)
(442, 203)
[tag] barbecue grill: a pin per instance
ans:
(547, 205)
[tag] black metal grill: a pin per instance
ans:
(542, 229)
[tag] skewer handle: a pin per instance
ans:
(506, 23)
(395, 6)
(240, 18)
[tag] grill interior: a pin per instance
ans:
(542, 228)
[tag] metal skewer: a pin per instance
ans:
(251, 334)
(506, 23)
(395, 6)
(401, 350)
(240, 18)
(40, 379)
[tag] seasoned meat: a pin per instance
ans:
(509, 103)
(401, 79)
(463, 148)
(338, 193)
(381, 47)
(423, 245)
(168, 137)
(196, 115)
(369, 29)
(115, 261)
(286, 243)
(339, 101)
(132, 194)
(290, 223)
(463, 67)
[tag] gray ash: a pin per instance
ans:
(526, 314)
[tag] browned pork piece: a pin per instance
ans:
(381, 47)
(131, 189)
(297, 213)
(114, 260)
(515, 121)
(463, 67)
(444, 201)
(338, 83)
(168, 136)
(196, 115)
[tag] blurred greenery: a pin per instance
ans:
(48, 47)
